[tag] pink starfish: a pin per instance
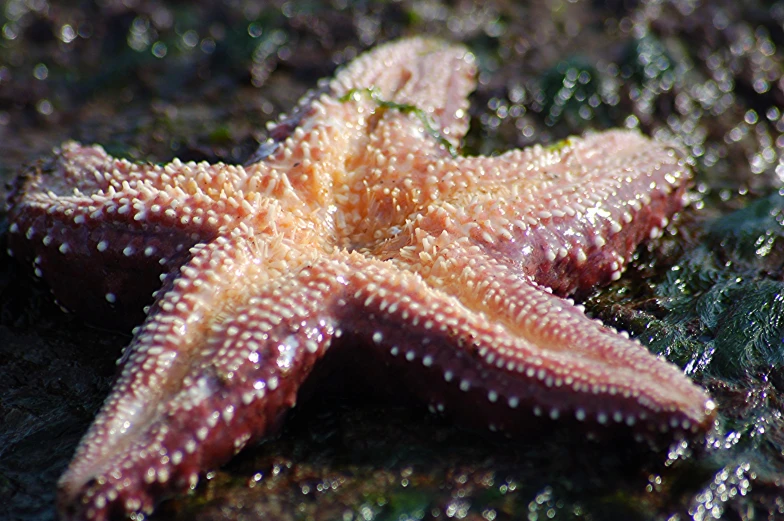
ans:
(360, 225)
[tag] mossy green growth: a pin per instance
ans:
(646, 61)
(405, 503)
(718, 312)
(572, 90)
(221, 135)
(560, 145)
(749, 332)
(728, 293)
(753, 235)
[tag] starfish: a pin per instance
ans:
(359, 229)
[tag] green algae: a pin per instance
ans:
(429, 126)
(572, 90)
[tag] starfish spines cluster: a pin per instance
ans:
(213, 390)
(359, 222)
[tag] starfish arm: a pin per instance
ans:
(216, 365)
(518, 345)
(588, 202)
(112, 226)
(401, 95)
(415, 120)
(426, 74)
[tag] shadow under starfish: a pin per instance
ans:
(359, 232)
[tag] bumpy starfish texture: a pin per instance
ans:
(359, 229)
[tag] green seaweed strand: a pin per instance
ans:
(405, 108)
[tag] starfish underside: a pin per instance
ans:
(358, 228)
